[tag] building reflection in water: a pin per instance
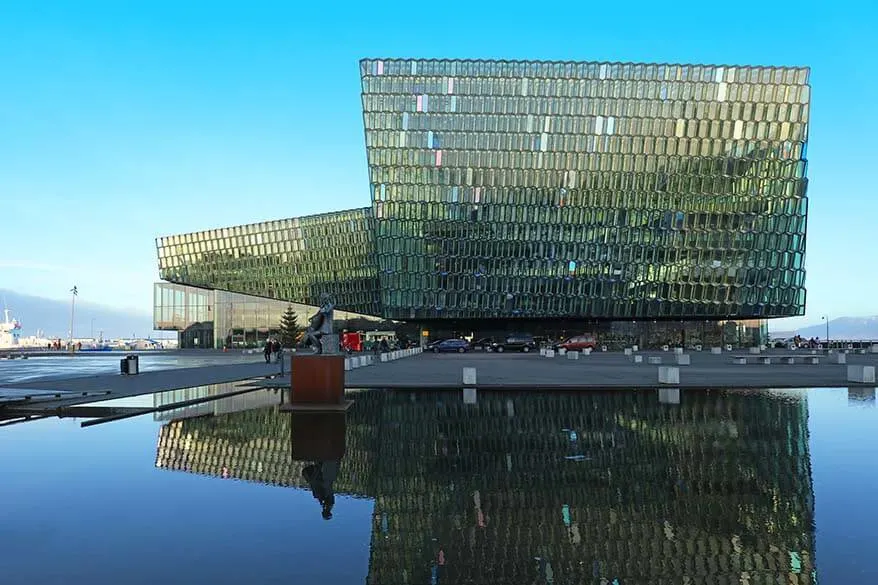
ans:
(555, 488)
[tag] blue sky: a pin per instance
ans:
(123, 121)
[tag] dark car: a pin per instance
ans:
(432, 344)
(485, 343)
(519, 342)
(456, 345)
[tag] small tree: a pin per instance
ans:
(289, 328)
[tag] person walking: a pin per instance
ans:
(266, 351)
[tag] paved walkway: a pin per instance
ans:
(598, 370)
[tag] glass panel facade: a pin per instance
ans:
(294, 259)
(599, 190)
(504, 191)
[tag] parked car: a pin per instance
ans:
(432, 344)
(455, 345)
(577, 343)
(485, 343)
(519, 342)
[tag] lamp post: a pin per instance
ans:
(826, 318)
(74, 292)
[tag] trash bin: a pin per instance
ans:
(130, 365)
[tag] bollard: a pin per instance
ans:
(638, 359)
(469, 376)
(587, 351)
(470, 396)
(347, 364)
(716, 350)
(765, 361)
(840, 358)
(627, 351)
(813, 360)
(754, 350)
(788, 360)
(562, 352)
(683, 359)
(634, 348)
(678, 350)
(654, 360)
(668, 375)
(874, 348)
(543, 352)
(861, 374)
(728, 347)
(698, 347)
(665, 348)
(550, 353)
(572, 355)
(384, 357)
(741, 361)
(603, 348)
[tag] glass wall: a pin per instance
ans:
(522, 189)
(292, 259)
(216, 318)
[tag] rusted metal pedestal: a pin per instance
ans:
(317, 384)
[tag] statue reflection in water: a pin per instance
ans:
(320, 476)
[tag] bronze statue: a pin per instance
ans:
(320, 323)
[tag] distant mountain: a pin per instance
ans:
(852, 328)
(53, 317)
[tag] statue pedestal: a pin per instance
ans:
(317, 436)
(317, 384)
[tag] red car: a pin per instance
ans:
(578, 343)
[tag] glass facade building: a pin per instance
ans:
(516, 191)
(602, 190)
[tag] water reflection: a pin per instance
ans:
(617, 487)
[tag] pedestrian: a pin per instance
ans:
(275, 348)
(266, 351)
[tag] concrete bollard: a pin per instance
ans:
(603, 348)
(669, 395)
(741, 361)
(716, 350)
(668, 375)
(384, 357)
(874, 348)
(762, 347)
(684, 359)
(587, 351)
(698, 347)
(550, 353)
(638, 359)
(543, 352)
(665, 348)
(347, 365)
(572, 355)
(627, 351)
(755, 350)
(469, 376)
(678, 351)
(470, 396)
(562, 352)
(861, 374)
(728, 347)
(765, 361)
(654, 360)
(840, 358)
(635, 348)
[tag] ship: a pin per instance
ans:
(10, 331)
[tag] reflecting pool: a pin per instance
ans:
(418, 487)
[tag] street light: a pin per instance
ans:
(75, 292)
(826, 318)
